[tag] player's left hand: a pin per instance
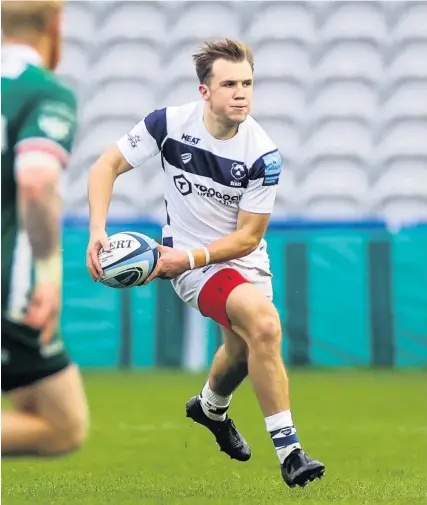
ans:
(172, 262)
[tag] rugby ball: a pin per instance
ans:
(130, 261)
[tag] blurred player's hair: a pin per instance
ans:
(27, 18)
(227, 49)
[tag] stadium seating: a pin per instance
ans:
(341, 88)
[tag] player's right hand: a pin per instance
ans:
(97, 240)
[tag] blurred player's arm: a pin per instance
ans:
(44, 141)
(42, 150)
(256, 207)
(39, 209)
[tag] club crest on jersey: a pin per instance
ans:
(238, 171)
(186, 157)
(188, 139)
(272, 167)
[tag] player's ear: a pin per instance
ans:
(204, 91)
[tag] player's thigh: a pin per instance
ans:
(60, 398)
(252, 315)
(21, 399)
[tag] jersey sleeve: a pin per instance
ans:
(47, 131)
(145, 139)
(260, 194)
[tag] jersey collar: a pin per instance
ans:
(236, 138)
(24, 53)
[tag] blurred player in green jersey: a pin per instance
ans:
(49, 414)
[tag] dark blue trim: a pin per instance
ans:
(168, 218)
(157, 126)
(285, 441)
(203, 163)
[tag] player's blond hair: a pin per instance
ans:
(20, 18)
(227, 49)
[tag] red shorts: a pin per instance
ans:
(214, 294)
(207, 289)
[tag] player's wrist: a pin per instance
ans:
(49, 270)
(199, 258)
(96, 228)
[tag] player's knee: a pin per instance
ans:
(71, 435)
(265, 334)
(76, 431)
(76, 435)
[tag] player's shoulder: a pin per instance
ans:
(51, 87)
(40, 90)
(264, 157)
(171, 116)
(260, 143)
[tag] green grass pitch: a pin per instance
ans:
(369, 428)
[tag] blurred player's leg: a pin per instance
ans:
(21, 428)
(228, 370)
(51, 416)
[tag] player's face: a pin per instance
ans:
(230, 90)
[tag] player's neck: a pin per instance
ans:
(216, 128)
(40, 46)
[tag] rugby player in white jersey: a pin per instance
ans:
(222, 172)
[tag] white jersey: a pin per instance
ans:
(207, 180)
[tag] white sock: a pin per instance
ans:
(283, 434)
(213, 405)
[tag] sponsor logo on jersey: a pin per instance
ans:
(272, 166)
(5, 356)
(133, 140)
(51, 348)
(186, 157)
(189, 139)
(53, 108)
(55, 127)
(182, 185)
(57, 120)
(225, 199)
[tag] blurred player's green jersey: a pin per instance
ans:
(38, 127)
(38, 116)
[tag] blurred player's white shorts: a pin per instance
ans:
(189, 284)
